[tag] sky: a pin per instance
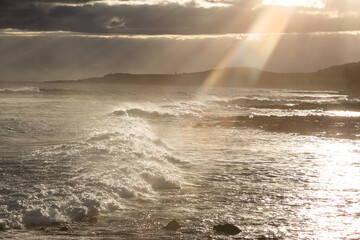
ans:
(72, 39)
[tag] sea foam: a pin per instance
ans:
(123, 160)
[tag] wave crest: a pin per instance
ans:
(20, 90)
(313, 125)
(142, 113)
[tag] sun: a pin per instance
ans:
(296, 3)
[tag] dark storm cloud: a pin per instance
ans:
(132, 19)
(164, 17)
(47, 1)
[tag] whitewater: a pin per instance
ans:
(110, 161)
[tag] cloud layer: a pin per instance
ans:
(69, 39)
(169, 17)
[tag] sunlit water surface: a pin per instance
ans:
(115, 162)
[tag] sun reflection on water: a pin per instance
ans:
(334, 193)
(344, 113)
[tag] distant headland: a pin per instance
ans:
(338, 78)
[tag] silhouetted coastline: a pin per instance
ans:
(331, 78)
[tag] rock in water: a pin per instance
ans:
(2, 225)
(173, 226)
(227, 229)
(64, 229)
(93, 220)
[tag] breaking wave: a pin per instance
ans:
(75, 181)
(58, 91)
(64, 91)
(296, 104)
(158, 113)
(327, 106)
(20, 90)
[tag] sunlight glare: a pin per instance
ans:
(296, 3)
(344, 113)
(334, 198)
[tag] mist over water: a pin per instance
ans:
(276, 163)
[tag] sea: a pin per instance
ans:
(111, 161)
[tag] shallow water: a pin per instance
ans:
(120, 162)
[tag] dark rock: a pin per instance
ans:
(2, 226)
(64, 229)
(227, 229)
(172, 226)
(93, 220)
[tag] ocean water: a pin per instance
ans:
(81, 161)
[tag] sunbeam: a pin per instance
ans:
(264, 35)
